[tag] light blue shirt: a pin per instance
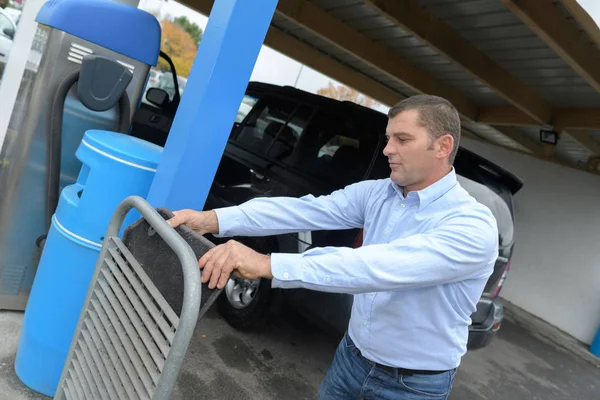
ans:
(417, 278)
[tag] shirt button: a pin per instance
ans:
(286, 275)
(365, 323)
(402, 205)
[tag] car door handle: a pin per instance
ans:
(258, 175)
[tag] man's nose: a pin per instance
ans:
(388, 149)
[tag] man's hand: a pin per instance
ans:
(202, 222)
(233, 257)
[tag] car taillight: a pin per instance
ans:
(498, 287)
(359, 240)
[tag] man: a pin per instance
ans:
(428, 251)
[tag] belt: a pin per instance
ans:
(402, 371)
(393, 370)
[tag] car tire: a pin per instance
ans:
(253, 315)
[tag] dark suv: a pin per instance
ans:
(287, 142)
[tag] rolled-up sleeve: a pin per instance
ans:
(460, 247)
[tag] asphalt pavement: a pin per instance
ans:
(289, 360)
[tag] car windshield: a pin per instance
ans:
(181, 82)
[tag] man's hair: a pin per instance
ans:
(436, 114)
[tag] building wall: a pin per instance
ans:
(555, 269)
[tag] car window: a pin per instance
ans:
(273, 118)
(245, 107)
(286, 133)
(334, 148)
(165, 82)
(494, 199)
(181, 82)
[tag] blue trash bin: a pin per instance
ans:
(595, 347)
(115, 166)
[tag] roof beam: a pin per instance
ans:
(510, 116)
(520, 137)
(561, 35)
(572, 120)
(583, 18)
(319, 61)
(593, 163)
(308, 55)
(468, 134)
(577, 118)
(566, 118)
(341, 35)
(548, 150)
(412, 17)
(587, 141)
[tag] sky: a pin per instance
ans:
(274, 67)
(592, 7)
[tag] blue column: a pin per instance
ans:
(234, 34)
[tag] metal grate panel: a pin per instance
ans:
(127, 333)
(11, 277)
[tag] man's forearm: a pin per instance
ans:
(463, 248)
(343, 209)
(211, 221)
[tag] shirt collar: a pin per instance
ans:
(432, 192)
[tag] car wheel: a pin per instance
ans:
(245, 303)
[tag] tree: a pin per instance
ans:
(179, 45)
(190, 27)
(341, 92)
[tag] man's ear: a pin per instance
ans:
(444, 146)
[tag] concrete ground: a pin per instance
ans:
(289, 360)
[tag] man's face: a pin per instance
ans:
(410, 151)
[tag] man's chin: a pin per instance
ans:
(397, 179)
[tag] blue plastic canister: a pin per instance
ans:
(115, 166)
(595, 347)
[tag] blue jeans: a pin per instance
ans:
(351, 376)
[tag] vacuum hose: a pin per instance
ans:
(124, 110)
(53, 151)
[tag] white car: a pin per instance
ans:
(13, 14)
(8, 28)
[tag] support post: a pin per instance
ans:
(222, 68)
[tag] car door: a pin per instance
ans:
(335, 150)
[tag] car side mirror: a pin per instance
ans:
(8, 31)
(158, 97)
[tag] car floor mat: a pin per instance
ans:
(162, 265)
